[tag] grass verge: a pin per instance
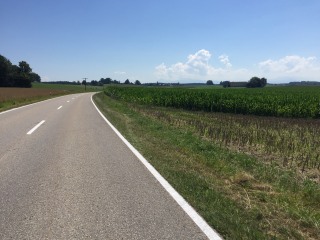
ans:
(240, 196)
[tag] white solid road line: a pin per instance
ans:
(35, 127)
(59, 107)
(198, 220)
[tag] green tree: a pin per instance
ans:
(209, 82)
(256, 82)
(94, 83)
(105, 80)
(16, 76)
(263, 82)
(137, 82)
(35, 77)
(24, 67)
(226, 84)
(5, 69)
(20, 76)
(127, 81)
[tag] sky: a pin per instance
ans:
(164, 40)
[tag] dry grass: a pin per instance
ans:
(289, 143)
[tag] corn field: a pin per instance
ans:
(289, 142)
(297, 102)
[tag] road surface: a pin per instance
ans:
(65, 174)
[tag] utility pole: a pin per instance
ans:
(85, 83)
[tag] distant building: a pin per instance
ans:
(238, 84)
(233, 84)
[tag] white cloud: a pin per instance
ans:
(225, 60)
(292, 67)
(197, 67)
(289, 64)
(120, 73)
(45, 79)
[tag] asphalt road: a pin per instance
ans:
(73, 178)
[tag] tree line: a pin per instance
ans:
(16, 76)
(108, 80)
(254, 82)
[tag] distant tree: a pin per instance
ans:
(24, 67)
(105, 80)
(20, 76)
(20, 80)
(5, 70)
(94, 83)
(256, 82)
(209, 82)
(137, 82)
(127, 81)
(226, 84)
(35, 77)
(16, 76)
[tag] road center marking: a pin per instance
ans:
(68, 101)
(35, 127)
(59, 107)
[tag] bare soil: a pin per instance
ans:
(7, 94)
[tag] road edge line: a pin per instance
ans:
(192, 213)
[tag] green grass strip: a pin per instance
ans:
(234, 192)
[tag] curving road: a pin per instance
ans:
(65, 174)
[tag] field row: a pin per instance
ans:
(300, 102)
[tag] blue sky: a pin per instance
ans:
(164, 40)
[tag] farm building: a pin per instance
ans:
(233, 84)
(238, 84)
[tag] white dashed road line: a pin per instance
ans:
(35, 127)
(59, 107)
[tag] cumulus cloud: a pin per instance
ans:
(293, 68)
(225, 60)
(197, 67)
(196, 64)
(289, 64)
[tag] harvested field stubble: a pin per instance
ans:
(8, 94)
(14, 97)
